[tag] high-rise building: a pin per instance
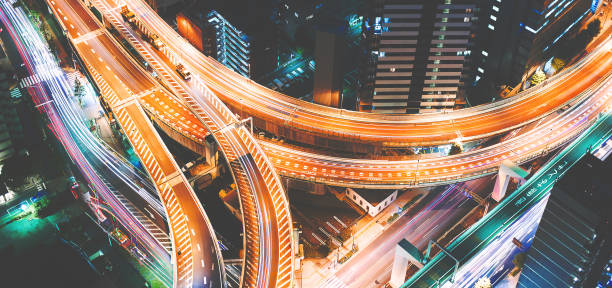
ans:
(216, 37)
(573, 243)
(242, 39)
(329, 61)
(227, 44)
(517, 36)
(418, 54)
(424, 55)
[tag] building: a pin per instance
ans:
(573, 243)
(12, 136)
(329, 61)
(216, 37)
(519, 36)
(244, 40)
(425, 56)
(372, 201)
(417, 54)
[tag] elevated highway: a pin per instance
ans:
(268, 226)
(196, 256)
(421, 171)
(439, 269)
(336, 129)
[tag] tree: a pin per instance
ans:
(538, 77)
(594, 28)
(15, 170)
(519, 260)
(455, 149)
(558, 63)
(483, 282)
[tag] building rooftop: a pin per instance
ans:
(374, 196)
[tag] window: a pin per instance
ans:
(444, 20)
(447, 1)
(480, 70)
(445, 11)
(354, 197)
(485, 53)
(495, 8)
(466, 19)
(493, 18)
(491, 27)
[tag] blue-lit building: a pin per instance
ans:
(228, 45)
(573, 244)
(244, 40)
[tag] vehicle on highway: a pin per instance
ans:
(180, 69)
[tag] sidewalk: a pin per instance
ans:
(367, 229)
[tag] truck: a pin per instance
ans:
(180, 69)
(127, 15)
(154, 41)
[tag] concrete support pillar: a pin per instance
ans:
(405, 253)
(506, 170)
(211, 153)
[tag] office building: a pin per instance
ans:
(572, 245)
(329, 51)
(425, 56)
(418, 54)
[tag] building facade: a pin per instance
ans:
(573, 244)
(329, 58)
(417, 54)
(426, 55)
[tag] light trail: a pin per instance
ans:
(276, 112)
(97, 163)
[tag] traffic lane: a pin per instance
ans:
(418, 230)
(507, 211)
(206, 272)
(75, 17)
(203, 62)
(111, 62)
(268, 271)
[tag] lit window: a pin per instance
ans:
(447, 1)
(495, 8)
(444, 20)
(493, 18)
(491, 27)
(446, 11)
(480, 70)
(485, 53)
(466, 19)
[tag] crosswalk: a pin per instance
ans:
(38, 78)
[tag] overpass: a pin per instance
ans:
(322, 126)
(265, 209)
(315, 167)
(196, 255)
(439, 270)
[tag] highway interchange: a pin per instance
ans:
(195, 110)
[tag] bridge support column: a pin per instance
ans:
(506, 170)
(405, 253)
